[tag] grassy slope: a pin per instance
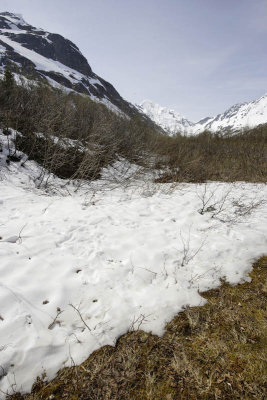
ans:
(218, 351)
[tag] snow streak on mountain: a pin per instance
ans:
(237, 117)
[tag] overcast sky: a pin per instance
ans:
(196, 56)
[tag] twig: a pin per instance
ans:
(80, 315)
(55, 321)
(19, 237)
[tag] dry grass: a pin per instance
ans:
(217, 351)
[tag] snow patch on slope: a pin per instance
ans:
(42, 63)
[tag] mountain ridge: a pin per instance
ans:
(239, 116)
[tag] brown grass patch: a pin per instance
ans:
(217, 351)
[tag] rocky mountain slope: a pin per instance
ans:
(239, 116)
(35, 53)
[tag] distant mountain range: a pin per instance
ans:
(237, 117)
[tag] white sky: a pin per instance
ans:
(196, 56)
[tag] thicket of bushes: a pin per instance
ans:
(67, 133)
(214, 156)
(48, 118)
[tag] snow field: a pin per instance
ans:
(77, 273)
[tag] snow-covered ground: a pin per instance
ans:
(79, 270)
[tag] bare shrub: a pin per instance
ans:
(69, 135)
(225, 206)
(99, 137)
(210, 156)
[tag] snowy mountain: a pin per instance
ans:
(239, 116)
(170, 120)
(38, 54)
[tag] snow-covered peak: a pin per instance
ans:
(14, 21)
(149, 106)
(13, 17)
(237, 117)
(170, 120)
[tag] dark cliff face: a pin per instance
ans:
(55, 47)
(77, 75)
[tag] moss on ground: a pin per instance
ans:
(218, 351)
